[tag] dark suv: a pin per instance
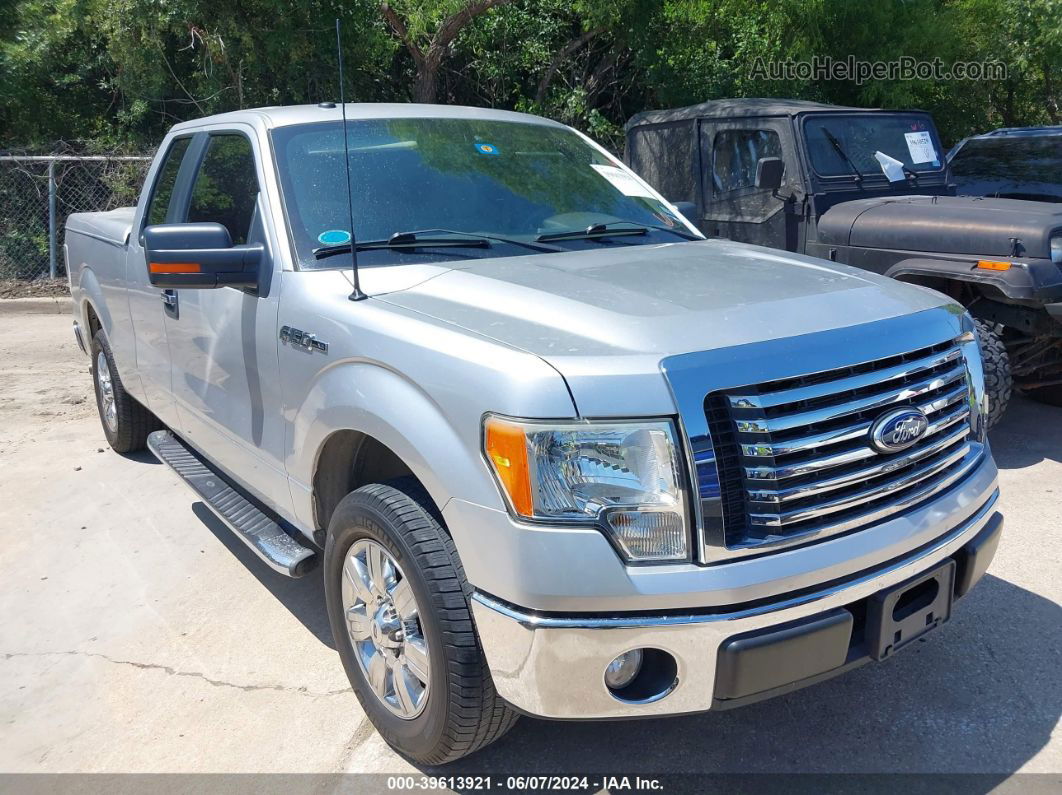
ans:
(870, 188)
(1010, 163)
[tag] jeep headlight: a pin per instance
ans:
(625, 477)
(1056, 249)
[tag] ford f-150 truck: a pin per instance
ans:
(556, 453)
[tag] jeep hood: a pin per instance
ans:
(619, 310)
(943, 224)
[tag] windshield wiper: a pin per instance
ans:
(837, 148)
(595, 231)
(427, 238)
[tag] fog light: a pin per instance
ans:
(621, 671)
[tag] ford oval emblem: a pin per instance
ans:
(898, 429)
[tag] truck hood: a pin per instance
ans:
(943, 224)
(617, 311)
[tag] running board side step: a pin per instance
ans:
(254, 527)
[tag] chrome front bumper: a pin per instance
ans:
(552, 665)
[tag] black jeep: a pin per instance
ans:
(869, 188)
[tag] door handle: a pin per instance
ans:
(169, 301)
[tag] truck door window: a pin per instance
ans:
(158, 209)
(735, 154)
(226, 188)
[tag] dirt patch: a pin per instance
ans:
(44, 379)
(38, 288)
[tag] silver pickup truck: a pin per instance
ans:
(566, 458)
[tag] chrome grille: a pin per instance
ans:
(794, 455)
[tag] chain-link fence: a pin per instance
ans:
(38, 192)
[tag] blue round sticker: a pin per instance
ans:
(334, 237)
(486, 149)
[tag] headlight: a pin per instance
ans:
(625, 477)
(1056, 249)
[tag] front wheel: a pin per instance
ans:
(398, 606)
(998, 379)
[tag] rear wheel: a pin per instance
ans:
(126, 423)
(998, 379)
(398, 606)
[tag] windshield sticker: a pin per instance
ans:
(920, 145)
(622, 181)
(486, 149)
(334, 237)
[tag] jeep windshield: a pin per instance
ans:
(907, 137)
(486, 188)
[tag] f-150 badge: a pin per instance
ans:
(301, 339)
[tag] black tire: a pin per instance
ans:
(998, 380)
(133, 421)
(463, 713)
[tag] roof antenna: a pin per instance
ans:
(357, 294)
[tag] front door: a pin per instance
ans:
(734, 207)
(223, 342)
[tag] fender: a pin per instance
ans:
(90, 294)
(382, 403)
(1018, 283)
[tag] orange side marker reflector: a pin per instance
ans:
(176, 267)
(506, 447)
(991, 265)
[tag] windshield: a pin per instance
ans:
(1015, 167)
(907, 137)
(492, 178)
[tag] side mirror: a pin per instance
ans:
(769, 173)
(688, 209)
(199, 255)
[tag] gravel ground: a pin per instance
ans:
(137, 635)
(38, 288)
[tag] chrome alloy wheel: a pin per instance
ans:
(108, 408)
(383, 621)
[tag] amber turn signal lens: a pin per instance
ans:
(175, 267)
(506, 447)
(992, 265)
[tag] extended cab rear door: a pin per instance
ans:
(160, 204)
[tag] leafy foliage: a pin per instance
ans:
(117, 73)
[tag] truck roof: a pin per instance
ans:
(737, 108)
(284, 115)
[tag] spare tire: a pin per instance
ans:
(998, 380)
